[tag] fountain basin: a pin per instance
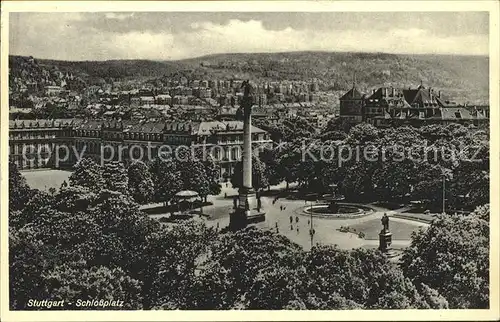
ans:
(344, 211)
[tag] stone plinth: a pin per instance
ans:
(247, 210)
(385, 241)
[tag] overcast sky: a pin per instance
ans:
(178, 35)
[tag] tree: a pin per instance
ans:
(394, 179)
(19, 191)
(364, 277)
(87, 174)
(471, 177)
(461, 243)
(429, 183)
(76, 226)
(173, 259)
(259, 174)
(115, 177)
(195, 178)
(357, 182)
(362, 134)
(233, 263)
(77, 282)
(269, 157)
(333, 135)
(140, 182)
(336, 128)
(213, 174)
(167, 179)
(28, 256)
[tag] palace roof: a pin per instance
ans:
(134, 126)
(353, 93)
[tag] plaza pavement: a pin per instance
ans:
(326, 228)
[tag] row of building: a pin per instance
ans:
(389, 106)
(59, 143)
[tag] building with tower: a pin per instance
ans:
(352, 105)
(390, 106)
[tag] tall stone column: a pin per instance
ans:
(247, 208)
(247, 145)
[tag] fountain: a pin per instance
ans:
(332, 208)
(333, 198)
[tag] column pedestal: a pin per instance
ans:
(247, 210)
(385, 241)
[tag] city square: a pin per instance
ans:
(227, 161)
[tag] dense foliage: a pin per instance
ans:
(87, 243)
(259, 174)
(401, 164)
(452, 256)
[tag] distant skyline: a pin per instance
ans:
(180, 35)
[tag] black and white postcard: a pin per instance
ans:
(249, 160)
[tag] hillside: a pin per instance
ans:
(461, 77)
(464, 78)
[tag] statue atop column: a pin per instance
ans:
(247, 88)
(248, 92)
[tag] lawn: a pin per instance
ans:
(415, 216)
(399, 230)
(389, 205)
(218, 211)
(45, 179)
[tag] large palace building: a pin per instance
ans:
(389, 106)
(59, 143)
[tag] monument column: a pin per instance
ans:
(247, 143)
(247, 208)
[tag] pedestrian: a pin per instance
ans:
(297, 230)
(284, 208)
(291, 220)
(308, 221)
(225, 194)
(291, 227)
(296, 219)
(281, 207)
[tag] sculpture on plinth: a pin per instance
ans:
(385, 222)
(385, 237)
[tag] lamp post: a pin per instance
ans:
(311, 228)
(444, 194)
